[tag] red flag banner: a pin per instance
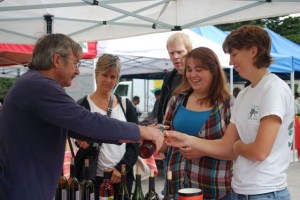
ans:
(21, 54)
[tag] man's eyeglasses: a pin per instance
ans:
(77, 65)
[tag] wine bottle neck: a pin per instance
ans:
(151, 184)
(169, 188)
(72, 170)
(86, 173)
(106, 176)
(123, 179)
(138, 181)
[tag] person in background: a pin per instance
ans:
(178, 45)
(152, 118)
(236, 91)
(200, 109)
(136, 102)
(1, 103)
(111, 156)
(260, 132)
(37, 115)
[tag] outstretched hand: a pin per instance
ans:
(177, 139)
(161, 127)
(184, 142)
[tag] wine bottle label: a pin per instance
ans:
(92, 196)
(77, 195)
(106, 198)
(64, 194)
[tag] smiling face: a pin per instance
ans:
(198, 75)
(243, 61)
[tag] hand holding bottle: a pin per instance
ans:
(115, 176)
(152, 134)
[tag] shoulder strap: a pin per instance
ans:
(109, 109)
(121, 101)
(84, 102)
(124, 103)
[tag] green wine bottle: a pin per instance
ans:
(151, 194)
(138, 192)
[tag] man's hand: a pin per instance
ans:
(152, 133)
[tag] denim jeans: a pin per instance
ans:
(227, 197)
(280, 195)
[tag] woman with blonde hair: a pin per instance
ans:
(111, 156)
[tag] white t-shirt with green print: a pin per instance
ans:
(271, 96)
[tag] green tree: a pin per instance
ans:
(286, 26)
(5, 84)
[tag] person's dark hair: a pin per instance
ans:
(135, 98)
(49, 45)
(219, 90)
(157, 93)
(249, 36)
(247, 83)
(236, 91)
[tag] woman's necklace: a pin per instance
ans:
(198, 99)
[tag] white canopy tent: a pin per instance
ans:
(94, 20)
(148, 53)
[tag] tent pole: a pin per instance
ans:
(231, 80)
(294, 135)
(94, 74)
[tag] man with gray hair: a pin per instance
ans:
(38, 115)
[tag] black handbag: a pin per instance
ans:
(90, 153)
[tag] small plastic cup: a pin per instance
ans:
(190, 194)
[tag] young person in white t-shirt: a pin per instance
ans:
(260, 132)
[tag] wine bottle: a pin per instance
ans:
(73, 185)
(169, 194)
(61, 191)
(151, 194)
(146, 149)
(87, 190)
(123, 191)
(138, 192)
(106, 189)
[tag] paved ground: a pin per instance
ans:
(293, 181)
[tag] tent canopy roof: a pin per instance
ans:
(148, 53)
(91, 20)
